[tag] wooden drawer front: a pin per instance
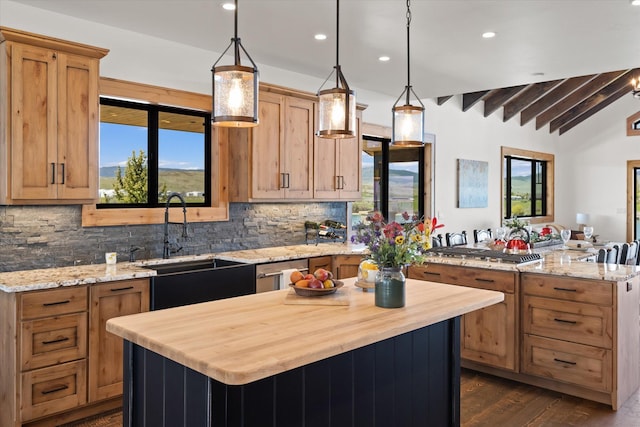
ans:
(54, 340)
(570, 321)
(579, 364)
(566, 288)
(502, 281)
(53, 302)
(57, 388)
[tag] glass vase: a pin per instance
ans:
(389, 290)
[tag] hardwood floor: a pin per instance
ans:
(491, 401)
(495, 402)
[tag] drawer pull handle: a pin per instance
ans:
(564, 289)
(573, 322)
(479, 279)
(56, 340)
(122, 289)
(47, 304)
(54, 389)
(429, 273)
(564, 361)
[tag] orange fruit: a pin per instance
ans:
(295, 276)
(303, 283)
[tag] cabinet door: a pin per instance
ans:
(320, 262)
(77, 127)
(267, 179)
(296, 150)
(325, 180)
(489, 334)
(349, 160)
(105, 349)
(33, 123)
(345, 266)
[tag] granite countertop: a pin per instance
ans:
(29, 280)
(255, 336)
(47, 278)
(555, 261)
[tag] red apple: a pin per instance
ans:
(309, 277)
(315, 284)
(321, 274)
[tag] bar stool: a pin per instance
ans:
(482, 235)
(456, 239)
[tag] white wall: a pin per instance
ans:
(590, 159)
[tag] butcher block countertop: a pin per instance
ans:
(244, 339)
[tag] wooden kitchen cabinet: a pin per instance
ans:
(49, 104)
(573, 334)
(58, 362)
(320, 262)
(345, 266)
(111, 300)
(274, 160)
(488, 336)
(338, 167)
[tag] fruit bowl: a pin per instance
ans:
(316, 292)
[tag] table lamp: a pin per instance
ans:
(583, 220)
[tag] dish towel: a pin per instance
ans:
(284, 277)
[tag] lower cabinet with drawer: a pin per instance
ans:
(575, 336)
(58, 362)
(488, 336)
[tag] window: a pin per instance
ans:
(149, 151)
(527, 187)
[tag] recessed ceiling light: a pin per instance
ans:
(229, 6)
(635, 2)
(488, 35)
(383, 58)
(320, 37)
(538, 74)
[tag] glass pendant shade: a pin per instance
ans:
(235, 87)
(337, 113)
(235, 90)
(408, 126)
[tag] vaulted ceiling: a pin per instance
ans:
(561, 103)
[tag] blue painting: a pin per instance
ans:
(473, 184)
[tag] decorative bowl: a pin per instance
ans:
(313, 292)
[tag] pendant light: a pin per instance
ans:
(635, 84)
(235, 88)
(408, 120)
(338, 105)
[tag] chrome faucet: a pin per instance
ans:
(166, 251)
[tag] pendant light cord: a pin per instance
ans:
(408, 49)
(235, 35)
(337, 43)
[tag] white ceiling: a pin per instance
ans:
(560, 38)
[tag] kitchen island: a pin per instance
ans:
(565, 324)
(254, 360)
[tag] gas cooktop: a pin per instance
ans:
(489, 255)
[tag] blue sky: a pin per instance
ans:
(178, 149)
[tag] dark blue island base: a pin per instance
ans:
(409, 380)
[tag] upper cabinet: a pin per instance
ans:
(281, 159)
(338, 167)
(274, 160)
(49, 125)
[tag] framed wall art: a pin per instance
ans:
(473, 184)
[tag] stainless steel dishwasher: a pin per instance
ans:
(269, 276)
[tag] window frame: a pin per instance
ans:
(548, 190)
(217, 210)
(153, 111)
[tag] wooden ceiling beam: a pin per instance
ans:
(592, 103)
(610, 100)
(442, 99)
(568, 86)
(498, 97)
(526, 97)
(470, 99)
(576, 96)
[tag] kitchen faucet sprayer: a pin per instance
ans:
(166, 251)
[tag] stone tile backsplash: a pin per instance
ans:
(52, 236)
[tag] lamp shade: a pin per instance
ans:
(235, 96)
(334, 109)
(582, 218)
(408, 125)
